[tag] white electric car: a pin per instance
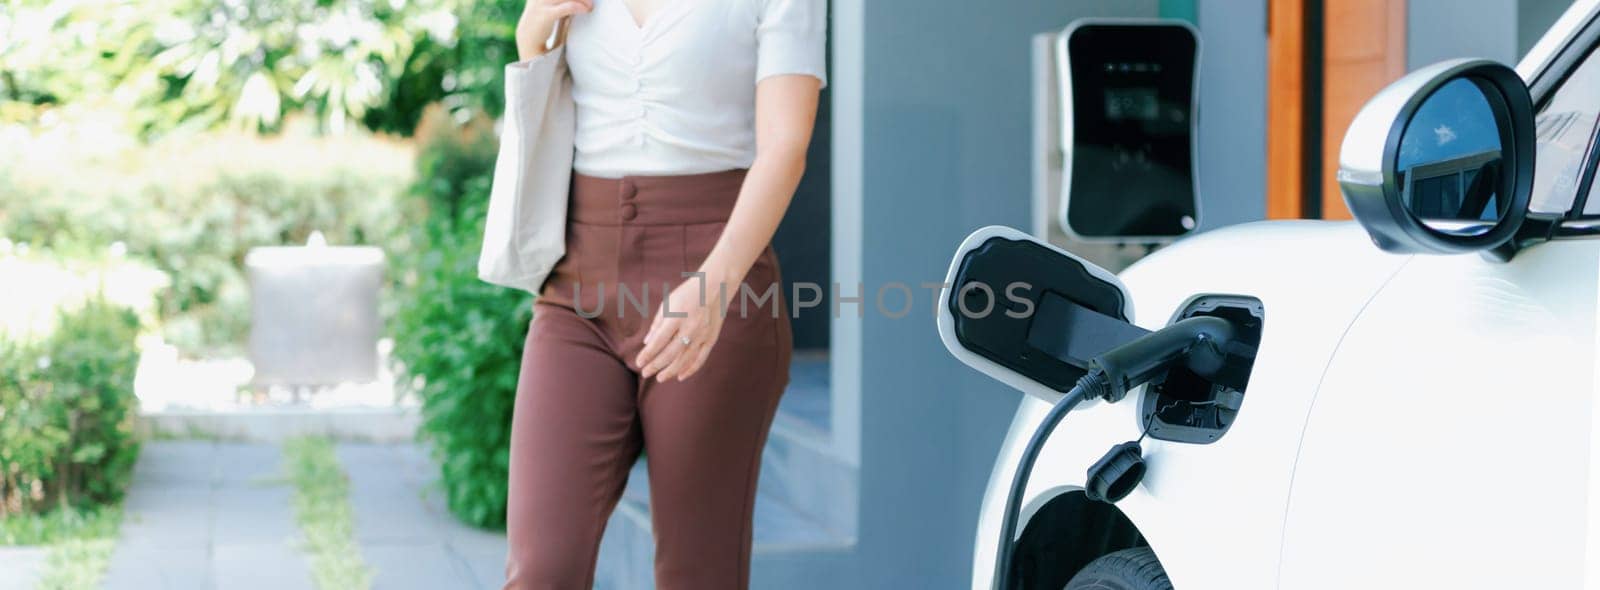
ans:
(1421, 408)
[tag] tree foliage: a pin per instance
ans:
(175, 64)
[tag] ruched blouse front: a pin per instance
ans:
(676, 95)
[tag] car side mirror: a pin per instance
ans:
(1029, 314)
(1441, 161)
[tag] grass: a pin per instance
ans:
(322, 506)
(80, 541)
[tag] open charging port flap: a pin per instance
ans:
(1184, 407)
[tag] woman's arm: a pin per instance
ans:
(786, 112)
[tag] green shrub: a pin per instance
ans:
(208, 233)
(460, 340)
(450, 158)
(177, 65)
(198, 232)
(67, 410)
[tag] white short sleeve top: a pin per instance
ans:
(677, 94)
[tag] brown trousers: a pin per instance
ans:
(583, 413)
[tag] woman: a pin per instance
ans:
(693, 118)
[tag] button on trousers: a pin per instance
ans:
(583, 414)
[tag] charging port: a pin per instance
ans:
(1185, 407)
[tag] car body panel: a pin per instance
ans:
(1312, 278)
(1453, 427)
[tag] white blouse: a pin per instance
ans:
(677, 95)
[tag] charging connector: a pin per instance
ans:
(1199, 344)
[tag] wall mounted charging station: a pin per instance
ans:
(1129, 120)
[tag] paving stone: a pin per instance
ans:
(254, 515)
(20, 567)
(483, 553)
(424, 566)
(220, 515)
(175, 464)
(138, 565)
(395, 518)
(373, 462)
(249, 464)
(161, 516)
(400, 515)
(268, 566)
(416, 465)
(202, 515)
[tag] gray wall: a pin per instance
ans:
(1533, 18)
(1233, 112)
(931, 141)
(1437, 30)
(1502, 30)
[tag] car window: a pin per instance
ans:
(1565, 127)
(1593, 206)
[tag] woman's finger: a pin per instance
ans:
(665, 358)
(656, 340)
(668, 345)
(690, 337)
(700, 357)
(680, 363)
(702, 336)
(655, 328)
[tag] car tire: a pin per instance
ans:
(1129, 569)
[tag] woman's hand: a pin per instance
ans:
(539, 19)
(677, 345)
(786, 110)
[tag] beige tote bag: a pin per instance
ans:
(525, 233)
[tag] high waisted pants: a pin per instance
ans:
(583, 414)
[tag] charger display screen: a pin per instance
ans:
(1132, 130)
(1132, 104)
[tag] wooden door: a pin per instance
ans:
(1325, 59)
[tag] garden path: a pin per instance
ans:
(204, 515)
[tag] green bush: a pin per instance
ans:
(67, 410)
(198, 233)
(178, 65)
(460, 340)
(208, 233)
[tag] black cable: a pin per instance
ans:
(1091, 386)
(1199, 343)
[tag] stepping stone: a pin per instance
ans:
(22, 566)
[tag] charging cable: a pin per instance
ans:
(1200, 343)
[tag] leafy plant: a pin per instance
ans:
(195, 64)
(461, 341)
(197, 232)
(80, 542)
(67, 410)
